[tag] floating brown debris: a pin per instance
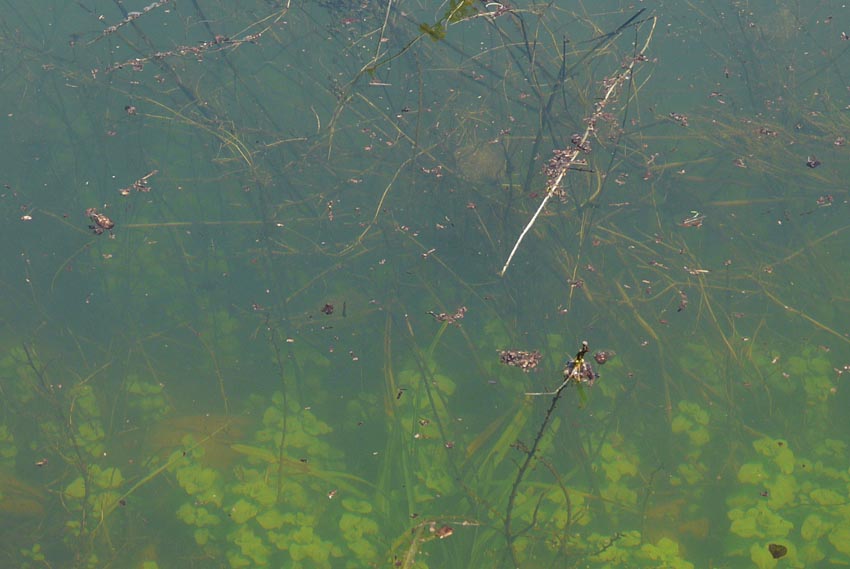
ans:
(777, 550)
(140, 185)
(825, 200)
(579, 370)
(218, 43)
(603, 356)
(328, 309)
(526, 361)
(100, 222)
(679, 118)
(450, 318)
(694, 220)
(683, 301)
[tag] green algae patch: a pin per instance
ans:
(826, 497)
(106, 478)
(814, 527)
(759, 521)
(664, 553)
(782, 491)
(761, 557)
(617, 464)
(251, 546)
(839, 537)
(271, 519)
(243, 510)
(752, 473)
(357, 506)
(692, 420)
(691, 473)
(197, 516)
(778, 451)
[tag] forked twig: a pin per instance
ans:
(577, 371)
(563, 160)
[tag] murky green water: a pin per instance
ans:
(252, 313)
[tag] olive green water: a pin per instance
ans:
(286, 352)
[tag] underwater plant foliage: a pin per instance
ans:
(253, 313)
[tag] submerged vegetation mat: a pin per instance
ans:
(468, 284)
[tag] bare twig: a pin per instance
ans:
(563, 160)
